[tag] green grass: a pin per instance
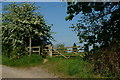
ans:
(64, 68)
(24, 61)
(0, 59)
(73, 53)
(70, 68)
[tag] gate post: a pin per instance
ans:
(50, 50)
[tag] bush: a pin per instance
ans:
(107, 61)
(13, 54)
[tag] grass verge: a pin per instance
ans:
(70, 68)
(24, 61)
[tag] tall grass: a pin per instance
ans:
(24, 61)
(70, 67)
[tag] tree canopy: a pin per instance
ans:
(97, 19)
(21, 22)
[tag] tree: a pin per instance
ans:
(61, 46)
(99, 26)
(21, 22)
(95, 22)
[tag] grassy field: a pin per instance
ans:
(24, 61)
(70, 68)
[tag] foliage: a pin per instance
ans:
(24, 61)
(99, 26)
(60, 45)
(107, 61)
(21, 22)
(97, 19)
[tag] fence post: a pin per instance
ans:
(39, 51)
(86, 49)
(50, 50)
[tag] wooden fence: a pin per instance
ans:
(35, 49)
(66, 52)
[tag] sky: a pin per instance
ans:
(55, 13)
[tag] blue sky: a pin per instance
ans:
(55, 13)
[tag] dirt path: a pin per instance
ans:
(34, 72)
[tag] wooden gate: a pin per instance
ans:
(65, 52)
(68, 52)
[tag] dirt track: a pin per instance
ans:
(34, 72)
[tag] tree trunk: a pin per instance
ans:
(30, 46)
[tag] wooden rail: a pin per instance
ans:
(69, 47)
(34, 51)
(70, 50)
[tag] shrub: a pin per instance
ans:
(107, 61)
